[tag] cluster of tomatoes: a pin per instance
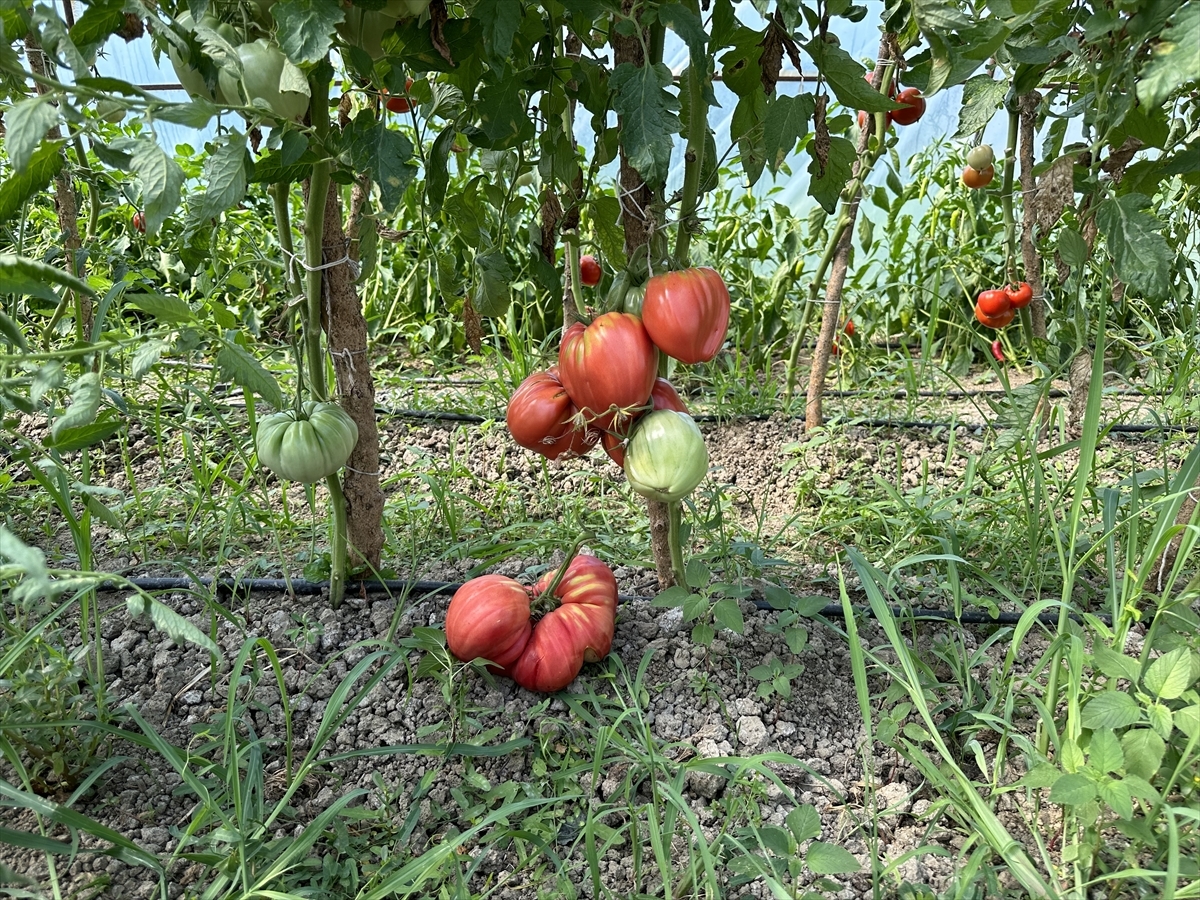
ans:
(995, 308)
(980, 168)
(911, 109)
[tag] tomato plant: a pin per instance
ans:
(686, 313)
(665, 458)
(489, 617)
(993, 303)
(663, 396)
(589, 271)
(308, 445)
(608, 367)
(981, 157)
(139, 221)
(542, 418)
(399, 104)
(1019, 295)
(913, 107)
(978, 178)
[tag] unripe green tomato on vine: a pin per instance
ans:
(365, 28)
(189, 76)
(635, 296)
(110, 111)
(979, 158)
(262, 69)
(309, 446)
(665, 458)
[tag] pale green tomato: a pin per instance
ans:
(979, 158)
(635, 296)
(365, 28)
(306, 449)
(189, 76)
(110, 111)
(262, 68)
(666, 458)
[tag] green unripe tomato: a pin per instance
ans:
(110, 111)
(365, 28)
(666, 457)
(979, 158)
(635, 296)
(262, 68)
(307, 448)
(189, 76)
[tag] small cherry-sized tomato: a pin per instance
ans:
(912, 109)
(400, 104)
(994, 321)
(993, 303)
(835, 350)
(1019, 295)
(139, 221)
(997, 350)
(979, 158)
(864, 120)
(589, 271)
(849, 328)
(978, 178)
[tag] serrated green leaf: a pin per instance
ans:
(1174, 61)
(703, 634)
(1134, 237)
(786, 122)
(1144, 752)
(26, 124)
(982, 97)
(690, 29)
(694, 607)
(1112, 709)
(1073, 789)
(804, 822)
(85, 403)
(239, 366)
(1117, 796)
(501, 19)
(493, 291)
(672, 596)
(826, 188)
(165, 308)
(1169, 675)
(1160, 719)
(503, 117)
(386, 154)
(224, 175)
(1041, 776)
(21, 275)
(161, 179)
(103, 513)
(830, 859)
(845, 76)
(196, 114)
(11, 331)
(1104, 752)
(306, 27)
(1187, 720)
(1114, 664)
(46, 162)
(727, 614)
(697, 574)
(648, 118)
(146, 357)
(69, 440)
(172, 623)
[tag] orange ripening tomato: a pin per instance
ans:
(978, 178)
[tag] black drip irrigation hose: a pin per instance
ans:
(433, 415)
(303, 588)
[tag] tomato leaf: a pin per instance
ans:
(385, 153)
(747, 127)
(1173, 61)
(503, 119)
(100, 19)
(1140, 252)
(827, 188)
(161, 179)
(146, 357)
(845, 76)
(501, 20)
(195, 114)
(26, 123)
(239, 366)
(224, 175)
(21, 275)
(492, 292)
(43, 165)
(85, 403)
(981, 98)
(687, 25)
(648, 118)
(305, 30)
(172, 310)
(68, 440)
(786, 122)
(166, 619)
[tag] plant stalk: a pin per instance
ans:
(674, 525)
(693, 160)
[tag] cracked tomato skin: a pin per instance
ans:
(542, 418)
(663, 396)
(578, 631)
(489, 617)
(686, 313)
(608, 368)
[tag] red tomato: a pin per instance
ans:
(849, 328)
(994, 321)
(542, 418)
(993, 303)
(489, 617)
(580, 630)
(686, 313)
(864, 119)
(912, 110)
(663, 396)
(589, 271)
(997, 350)
(139, 221)
(608, 368)
(399, 104)
(978, 178)
(834, 349)
(1019, 295)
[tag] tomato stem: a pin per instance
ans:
(562, 570)
(337, 541)
(674, 525)
(1006, 203)
(693, 157)
(571, 240)
(314, 233)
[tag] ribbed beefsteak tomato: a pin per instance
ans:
(686, 313)
(608, 368)
(579, 631)
(542, 418)
(489, 618)
(663, 396)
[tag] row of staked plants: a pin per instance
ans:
(404, 177)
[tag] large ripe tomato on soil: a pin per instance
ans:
(608, 368)
(489, 617)
(686, 313)
(542, 418)
(579, 631)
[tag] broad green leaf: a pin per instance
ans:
(697, 573)
(43, 165)
(1042, 775)
(305, 31)
(1134, 237)
(1169, 675)
(1114, 664)
(172, 623)
(501, 19)
(1143, 752)
(827, 188)
(1072, 248)
(939, 16)
(437, 172)
(1112, 709)
(145, 357)
(694, 607)
(703, 634)
(1174, 61)
(85, 403)
(102, 512)
(804, 822)
(26, 123)
(493, 290)
(239, 366)
(1159, 717)
(786, 122)
(648, 118)
(161, 179)
(56, 41)
(606, 214)
(100, 19)
(20, 275)
(728, 614)
(1073, 789)
(196, 114)
(224, 175)
(503, 117)
(393, 171)
(845, 75)
(1104, 752)
(830, 859)
(982, 96)
(776, 840)
(165, 308)
(68, 440)
(690, 29)
(11, 331)
(1187, 720)
(1117, 796)
(672, 596)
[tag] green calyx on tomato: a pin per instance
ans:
(541, 417)
(309, 445)
(663, 396)
(366, 28)
(666, 458)
(489, 617)
(263, 66)
(686, 313)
